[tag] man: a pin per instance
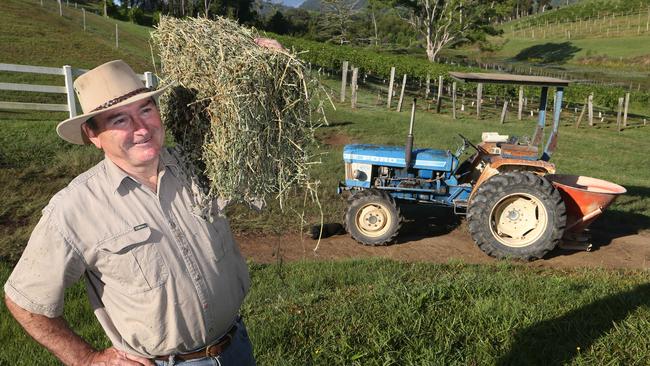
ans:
(165, 283)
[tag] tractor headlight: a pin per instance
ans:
(360, 175)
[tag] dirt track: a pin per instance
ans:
(611, 250)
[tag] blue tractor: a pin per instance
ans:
(512, 210)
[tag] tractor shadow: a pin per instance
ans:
(548, 53)
(558, 341)
(425, 221)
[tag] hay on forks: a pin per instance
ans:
(243, 116)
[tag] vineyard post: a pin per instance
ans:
(83, 11)
(401, 94)
(439, 96)
(453, 100)
(618, 114)
(521, 102)
(427, 87)
(344, 80)
(590, 109)
(390, 86)
(117, 38)
(479, 92)
(60, 9)
(353, 96)
(582, 114)
(503, 111)
(627, 104)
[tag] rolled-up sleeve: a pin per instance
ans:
(48, 266)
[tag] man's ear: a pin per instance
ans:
(92, 136)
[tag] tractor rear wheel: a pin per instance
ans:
(517, 215)
(373, 217)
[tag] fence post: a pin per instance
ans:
(148, 79)
(117, 38)
(627, 104)
(453, 100)
(83, 11)
(582, 114)
(401, 95)
(479, 93)
(618, 114)
(67, 75)
(439, 96)
(428, 85)
(344, 80)
(390, 86)
(503, 111)
(60, 8)
(521, 102)
(353, 97)
(590, 109)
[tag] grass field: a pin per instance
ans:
(378, 312)
(596, 46)
(369, 312)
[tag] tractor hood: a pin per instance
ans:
(440, 160)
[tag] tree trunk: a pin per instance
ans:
(374, 23)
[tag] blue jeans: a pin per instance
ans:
(238, 353)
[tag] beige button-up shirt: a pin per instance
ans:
(161, 279)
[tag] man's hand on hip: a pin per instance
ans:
(113, 357)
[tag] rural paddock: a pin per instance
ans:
(613, 250)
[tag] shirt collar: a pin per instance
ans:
(117, 176)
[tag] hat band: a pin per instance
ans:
(124, 97)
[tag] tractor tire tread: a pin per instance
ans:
(367, 195)
(478, 216)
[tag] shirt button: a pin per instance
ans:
(171, 223)
(197, 277)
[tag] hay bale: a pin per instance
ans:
(241, 114)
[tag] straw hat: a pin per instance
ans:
(108, 86)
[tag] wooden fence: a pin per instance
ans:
(68, 73)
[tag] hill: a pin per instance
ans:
(603, 41)
(316, 5)
(56, 40)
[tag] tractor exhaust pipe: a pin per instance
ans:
(408, 150)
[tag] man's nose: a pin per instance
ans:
(139, 124)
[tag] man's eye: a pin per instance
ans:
(146, 110)
(117, 121)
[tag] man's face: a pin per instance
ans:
(131, 136)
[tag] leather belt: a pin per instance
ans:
(213, 350)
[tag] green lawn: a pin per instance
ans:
(379, 312)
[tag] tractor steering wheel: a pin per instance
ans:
(467, 142)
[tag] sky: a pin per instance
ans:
(292, 3)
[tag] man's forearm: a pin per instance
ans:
(54, 334)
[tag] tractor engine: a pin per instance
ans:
(385, 167)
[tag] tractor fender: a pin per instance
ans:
(501, 166)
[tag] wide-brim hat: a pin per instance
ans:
(108, 86)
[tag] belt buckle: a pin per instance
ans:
(215, 349)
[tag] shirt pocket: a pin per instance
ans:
(209, 236)
(132, 261)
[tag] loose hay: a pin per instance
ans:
(240, 113)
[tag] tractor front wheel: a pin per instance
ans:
(373, 217)
(517, 215)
